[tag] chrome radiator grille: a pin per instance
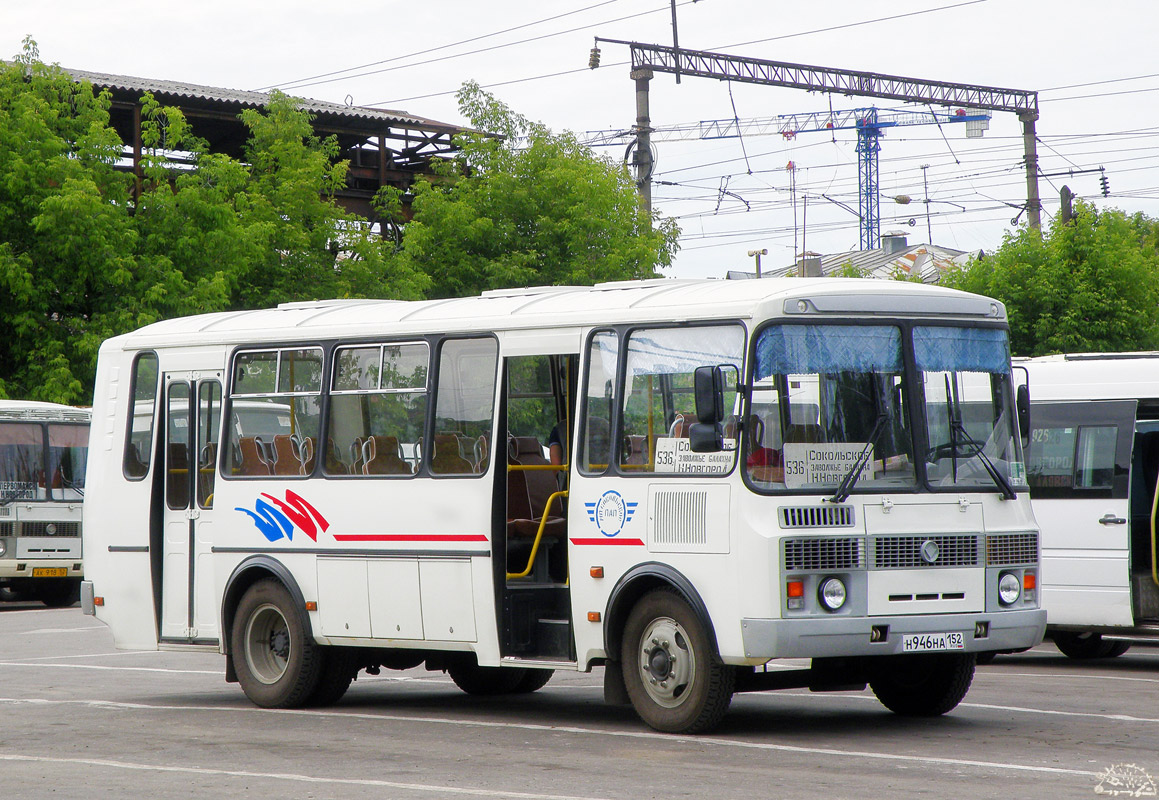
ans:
(906, 552)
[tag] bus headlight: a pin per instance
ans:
(1009, 588)
(3, 547)
(832, 593)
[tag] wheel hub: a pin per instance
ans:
(667, 662)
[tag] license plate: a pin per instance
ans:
(50, 572)
(932, 642)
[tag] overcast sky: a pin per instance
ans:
(1093, 64)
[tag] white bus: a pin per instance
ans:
(1093, 469)
(43, 449)
(752, 470)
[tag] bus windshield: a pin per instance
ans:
(965, 375)
(828, 409)
(42, 462)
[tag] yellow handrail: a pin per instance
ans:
(538, 536)
(1154, 547)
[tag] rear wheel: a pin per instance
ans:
(674, 682)
(486, 681)
(1083, 645)
(58, 593)
(925, 685)
(277, 665)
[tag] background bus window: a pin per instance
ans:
(464, 405)
(659, 403)
(599, 395)
(1095, 457)
(1082, 450)
(274, 412)
(139, 445)
(21, 461)
(1050, 463)
(378, 409)
(68, 448)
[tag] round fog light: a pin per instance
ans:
(1009, 588)
(832, 593)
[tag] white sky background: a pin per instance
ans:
(1093, 63)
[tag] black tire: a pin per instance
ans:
(60, 593)
(485, 681)
(925, 685)
(339, 666)
(986, 657)
(277, 665)
(532, 680)
(1083, 645)
(673, 679)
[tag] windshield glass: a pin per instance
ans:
(825, 399)
(24, 468)
(965, 377)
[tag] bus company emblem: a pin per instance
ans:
(930, 551)
(278, 521)
(610, 513)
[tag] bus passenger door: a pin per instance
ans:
(1078, 468)
(535, 615)
(191, 430)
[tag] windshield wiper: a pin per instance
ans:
(995, 474)
(854, 473)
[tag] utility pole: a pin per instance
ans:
(1030, 150)
(642, 158)
(926, 194)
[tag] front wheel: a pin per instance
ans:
(926, 685)
(674, 682)
(277, 665)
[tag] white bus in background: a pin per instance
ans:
(752, 470)
(43, 449)
(1093, 469)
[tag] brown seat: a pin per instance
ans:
(253, 460)
(529, 490)
(447, 459)
(286, 460)
(381, 457)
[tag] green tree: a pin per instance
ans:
(86, 253)
(1088, 285)
(521, 206)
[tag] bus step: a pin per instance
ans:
(553, 639)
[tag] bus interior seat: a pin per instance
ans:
(253, 459)
(286, 458)
(333, 463)
(447, 459)
(381, 457)
(528, 492)
(678, 429)
(356, 455)
(635, 449)
(306, 452)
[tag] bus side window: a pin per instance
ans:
(142, 408)
(464, 404)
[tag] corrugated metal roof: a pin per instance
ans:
(930, 261)
(248, 99)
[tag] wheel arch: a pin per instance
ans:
(245, 575)
(637, 582)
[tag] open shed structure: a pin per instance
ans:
(384, 147)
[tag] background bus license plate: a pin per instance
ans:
(932, 642)
(50, 572)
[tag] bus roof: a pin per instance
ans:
(1093, 376)
(38, 411)
(570, 306)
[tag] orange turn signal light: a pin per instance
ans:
(98, 601)
(596, 572)
(311, 605)
(594, 616)
(1028, 581)
(795, 589)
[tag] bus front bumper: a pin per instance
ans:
(825, 637)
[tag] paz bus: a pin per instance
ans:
(43, 449)
(751, 471)
(1093, 469)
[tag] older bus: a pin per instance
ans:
(43, 450)
(750, 471)
(1093, 469)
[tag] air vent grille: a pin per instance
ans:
(62, 529)
(906, 552)
(1006, 549)
(827, 516)
(804, 555)
(681, 518)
